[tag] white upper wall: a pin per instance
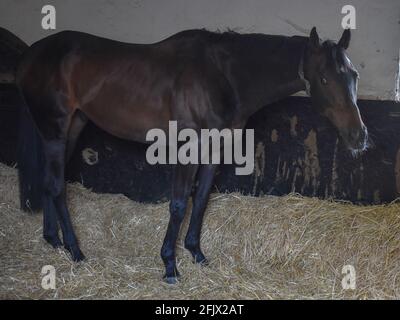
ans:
(374, 48)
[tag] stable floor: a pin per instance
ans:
(269, 247)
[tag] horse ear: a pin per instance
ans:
(314, 39)
(345, 39)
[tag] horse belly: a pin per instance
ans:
(127, 121)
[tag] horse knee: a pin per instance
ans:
(177, 209)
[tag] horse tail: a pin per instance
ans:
(30, 160)
(12, 50)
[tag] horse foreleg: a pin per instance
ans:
(200, 199)
(183, 180)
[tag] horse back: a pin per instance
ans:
(127, 89)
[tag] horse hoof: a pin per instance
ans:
(54, 241)
(172, 277)
(203, 263)
(76, 253)
(200, 259)
(171, 280)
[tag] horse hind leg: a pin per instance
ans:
(55, 194)
(53, 122)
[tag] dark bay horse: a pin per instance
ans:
(200, 79)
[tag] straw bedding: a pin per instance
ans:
(268, 247)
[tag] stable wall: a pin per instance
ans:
(374, 48)
(296, 150)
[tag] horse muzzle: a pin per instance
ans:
(356, 139)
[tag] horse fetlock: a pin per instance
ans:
(197, 254)
(75, 251)
(171, 275)
(167, 254)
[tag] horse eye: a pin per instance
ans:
(324, 81)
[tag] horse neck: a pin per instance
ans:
(267, 69)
